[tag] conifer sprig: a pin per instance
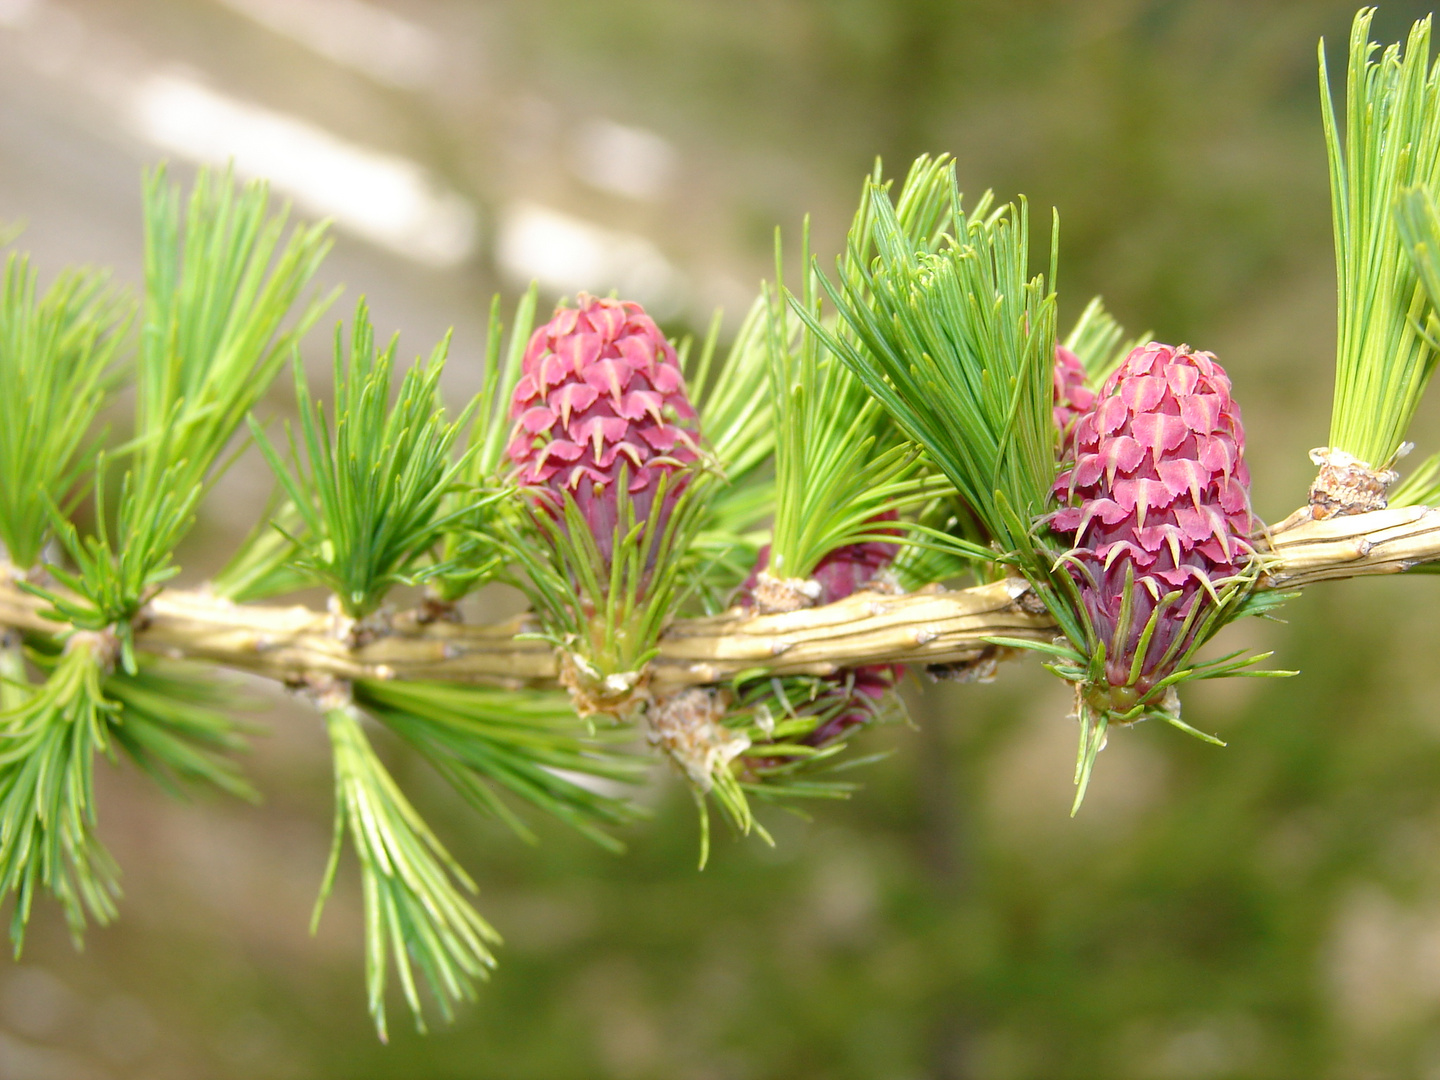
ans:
(737, 414)
(778, 715)
(765, 730)
(504, 354)
(470, 552)
(220, 282)
(1391, 144)
(956, 340)
(263, 565)
(838, 462)
(176, 722)
(60, 354)
(47, 791)
(113, 579)
(922, 562)
(370, 491)
(528, 743)
(417, 908)
(219, 287)
(1418, 219)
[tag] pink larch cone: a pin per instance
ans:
(1072, 394)
(600, 393)
(1160, 494)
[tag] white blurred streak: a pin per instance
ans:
(600, 785)
(622, 160)
(565, 253)
(17, 12)
(360, 35)
(385, 199)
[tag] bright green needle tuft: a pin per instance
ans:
(375, 476)
(417, 908)
(1391, 144)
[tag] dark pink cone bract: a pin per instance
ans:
(1073, 395)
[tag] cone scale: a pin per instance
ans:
(1073, 396)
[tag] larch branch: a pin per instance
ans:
(297, 644)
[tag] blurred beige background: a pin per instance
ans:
(1267, 910)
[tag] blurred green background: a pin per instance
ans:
(1267, 910)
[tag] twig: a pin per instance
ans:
(297, 644)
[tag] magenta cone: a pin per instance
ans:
(600, 393)
(1159, 493)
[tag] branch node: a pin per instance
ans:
(357, 633)
(619, 694)
(103, 645)
(687, 726)
(325, 692)
(435, 610)
(1346, 485)
(776, 595)
(1023, 597)
(982, 668)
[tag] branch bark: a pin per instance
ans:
(299, 645)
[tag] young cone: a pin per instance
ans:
(601, 397)
(1160, 513)
(606, 447)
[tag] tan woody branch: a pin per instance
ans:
(933, 626)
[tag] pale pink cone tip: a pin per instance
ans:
(1155, 485)
(1073, 395)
